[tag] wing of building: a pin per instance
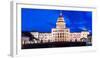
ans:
(60, 33)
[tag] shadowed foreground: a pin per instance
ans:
(53, 44)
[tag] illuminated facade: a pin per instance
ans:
(60, 33)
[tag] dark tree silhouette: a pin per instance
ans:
(90, 37)
(83, 39)
(28, 34)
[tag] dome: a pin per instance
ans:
(60, 22)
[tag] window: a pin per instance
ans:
(66, 30)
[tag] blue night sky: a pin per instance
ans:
(43, 20)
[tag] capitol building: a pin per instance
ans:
(60, 33)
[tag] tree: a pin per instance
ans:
(83, 39)
(28, 34)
